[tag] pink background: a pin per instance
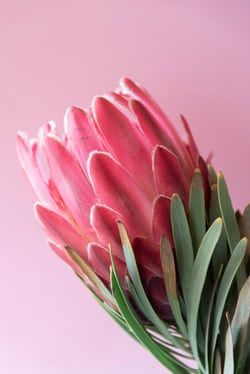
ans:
(194, 57)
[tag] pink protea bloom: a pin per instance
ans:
(119, 160)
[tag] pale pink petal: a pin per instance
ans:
(161, 223)
(168, 174)
(27, 156)
(114, 187)
(125, 141)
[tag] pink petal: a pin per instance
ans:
(132, 89)
(157, 292)
(150, 126)
(161, 222)
(168, 174)
(61, 231)
(99, 258)
(121, 103)
(27, 156)
(191, 142)
(114, 187)
(63, 254)
(125, 141)
(82, 137)
(147, 255)
(69, 180)
(104, 220)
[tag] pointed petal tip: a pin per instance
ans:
(97, 102)
(22, 143)
(21, 136)
(126, 81)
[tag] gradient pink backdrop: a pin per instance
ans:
(194, 56)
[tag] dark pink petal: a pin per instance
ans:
(147, 255)
(169, 176)
(82, 137)
(124, 140)
(69, 180)
(114, 187)
(157, 290)
(191, 142)
(99, 258)
(61, 231)
(161, 222)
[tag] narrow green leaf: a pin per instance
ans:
(142, 335)
(225, 285)
(227, 213)
(209, 320)
(143, 302)
(169, 273)
(212, 175)
(183, 243)
(230, 223)
(198, 276)
(220, 254)
(109, 309)
(240, 322)
(197, 211)
(244, 225)
(229, 354)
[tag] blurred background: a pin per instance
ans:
(194, 57)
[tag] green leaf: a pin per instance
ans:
(225, 285)
(229, 355)
(220, 254)
(227, 213)
(141, 297)
(230, 223)
(244, 225)
(197, 212)
(183, 243)
(240, 322)
(142, 335)
(209, 320)
(169, 273)
(197, 280)
(212, 175)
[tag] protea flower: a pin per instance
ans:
(132, 208)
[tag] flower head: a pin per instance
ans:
(121, 159)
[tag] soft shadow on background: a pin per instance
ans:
(194, 57)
